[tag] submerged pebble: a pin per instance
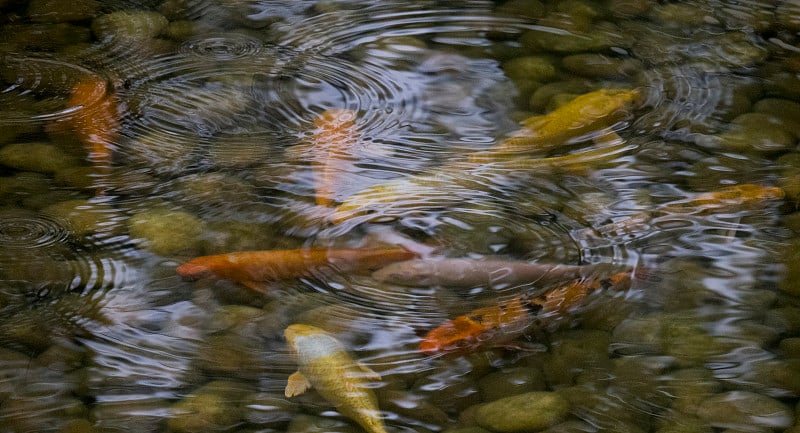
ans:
(531, 411)
(745, 410)
(167, 232)
(37, 157)
(215, 406)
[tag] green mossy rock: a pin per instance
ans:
(36, 157)
(129, 25)
(531, 68)
(745, 410)
(532, 411)
(511, 381)
(85, 217)
(316, 424)
(168, 232)
(601, 66)
(57, 11)
(215, 406)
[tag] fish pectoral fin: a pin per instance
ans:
(297, 384)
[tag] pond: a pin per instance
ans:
(399, 216)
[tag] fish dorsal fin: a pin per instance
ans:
(297, 384)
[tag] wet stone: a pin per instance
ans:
(531, 68)
(512, 381)
(36, 157)
(745, 410)
(786, 320)
(533, 411)
(214, 406)
(758, 132)
(315, 424)
(84, 217)
(790, 347)
(600, 66)
(57, 11)
(167, 232)
(129, 25)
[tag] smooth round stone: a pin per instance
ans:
(221, 237)
(531, 9)
(57, 11)
(773, 377)
(129, 25)
(784, 319)
(532, 411)
(167, 232)
(690, 387)
(413, 406)
(791, 259)
(84, 217)
(680, 423)
(530, 68)
(268, 410)
(316, 424)
(790, 347)
(679, 15)
(540, 98)
(783, 110)
(630, 8)
(575, 352)
(36, 157)
(745, 410)
(759, 132)
(600, 65)
(505, 383)
(213, 407)
(473, 429)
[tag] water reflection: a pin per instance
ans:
(223, 144)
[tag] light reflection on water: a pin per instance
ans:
(217, 103)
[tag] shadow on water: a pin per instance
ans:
(138, 135)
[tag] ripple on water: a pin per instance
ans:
(39, 86)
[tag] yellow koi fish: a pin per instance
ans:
(324, 364)
(497, 325)
(592, 112)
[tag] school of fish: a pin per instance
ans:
(324, 363)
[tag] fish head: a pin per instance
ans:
(299, 330)
(195, 270)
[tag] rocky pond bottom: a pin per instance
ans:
(402, 216)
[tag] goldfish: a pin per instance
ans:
(478, 272)
(253, 268)
(590, 113)
(500, 324)
(334, 141)
(95, 122)
(324, 364)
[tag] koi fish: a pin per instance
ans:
(592, 112)
(253, 268)
(736, 196)
(499, 324)
(334, 140)
(96, 122)
(324, 364)
(478, 272)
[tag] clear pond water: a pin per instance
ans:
(137, 135)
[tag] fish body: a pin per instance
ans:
(96, 122)
(478, 272)
(731, 197)
(253, 267)
(334, 141)
(324, 364)
(499, 324)
(590, 113)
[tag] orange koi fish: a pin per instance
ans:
(499, 324)
(334, 141)
(253, 268)
(96, 122)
